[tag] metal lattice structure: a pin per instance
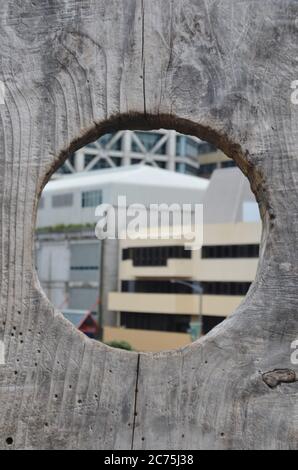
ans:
(162, 148)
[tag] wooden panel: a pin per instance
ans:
(72, 70)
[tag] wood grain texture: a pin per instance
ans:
(221, 70)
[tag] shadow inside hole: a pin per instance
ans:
(154, 294)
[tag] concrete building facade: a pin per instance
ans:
(69, 257)
(157, 298)
(149, 293)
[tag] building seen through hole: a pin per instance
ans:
(147, 294)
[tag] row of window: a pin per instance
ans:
(157, 322)
(187, 169)
(165, 322)
(155, 255)
(231, 251)
(225, 288)
(84, 268)
(158, 255)
(206, 169)
(172, 287)
(88, 199)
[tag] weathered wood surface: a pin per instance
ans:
(221, 70)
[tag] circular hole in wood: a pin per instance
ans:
(155, 294)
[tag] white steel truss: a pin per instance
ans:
(161, 148)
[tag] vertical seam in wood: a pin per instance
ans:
(143, 56)
(135, 402)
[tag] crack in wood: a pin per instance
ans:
(135, 402)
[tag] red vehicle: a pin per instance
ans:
(84, 321)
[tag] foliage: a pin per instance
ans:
(120, 345)
(64, 228)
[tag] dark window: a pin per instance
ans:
(231, 251)
(126, 254)
(155, 255)
(88, 157)
(91, 198)
(84, 268)
(210, 322)
(228, 164)
(205, 147)
(161, 164)
(116, 161)
(186, 169)
(154, 321)
(206, 169)
(101, 164)
(225, 288)
(147, 139)
(62, 200)
(116, 145)
(168, 287)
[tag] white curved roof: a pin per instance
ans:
(139, 175)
